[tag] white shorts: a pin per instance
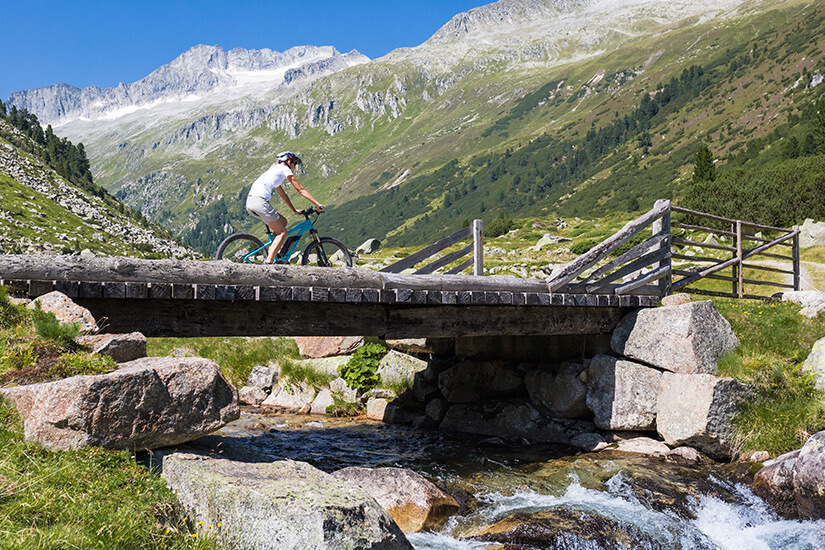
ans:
(261, 209)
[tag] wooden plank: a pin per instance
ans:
(90, 289)
(736, 279)
(478, 248)
(728, 220)
(704, 229)
(460, 268)
(39, 288)
(203, 292)
(724, 294)
(766, 268)
(654, 275)
(705, 259)
(428, 251)
(69, 288)
(570, 271)
(446, 260)
(183, 292)
(114, 290)
(634, 252)
(138, 291)
(636, 265)
(685, 242)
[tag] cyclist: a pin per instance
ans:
(258, 202)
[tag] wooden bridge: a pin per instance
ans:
(190, 298)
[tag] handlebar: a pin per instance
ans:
(307, 212)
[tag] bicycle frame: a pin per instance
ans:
(294, 235)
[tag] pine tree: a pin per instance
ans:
(704, 170)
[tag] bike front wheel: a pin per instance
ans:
(328, 252)
(242, 248)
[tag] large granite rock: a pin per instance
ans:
(146, 404)
(327, 346)
(283, 505)
(66, 311)
(562, 393)
(263, 377)
(697, 410)
(622, 394)
(815, 363)
(811, 233)
(810, 300)
(414, 503)
(399, 368)
(687, 339)
(296, 397)
(774, 483)
(809, 478)
(120, 347)
(472, 380)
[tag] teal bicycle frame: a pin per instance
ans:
(290, 244)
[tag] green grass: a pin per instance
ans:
(235, 356)
(775, 340)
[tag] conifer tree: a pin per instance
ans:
(704, 170)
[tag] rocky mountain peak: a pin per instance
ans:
(197, 72)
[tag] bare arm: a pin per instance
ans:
(285, 198)
(303, 192)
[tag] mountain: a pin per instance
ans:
(44, 212)
(517, 107)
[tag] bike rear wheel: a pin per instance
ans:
(235, 248)
(328, 252)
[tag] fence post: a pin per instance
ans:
(478, 247)
(662, 226)
(740, 284)
(796, 267)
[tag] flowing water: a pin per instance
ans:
(582, 501)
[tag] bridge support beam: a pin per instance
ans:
(192, 318)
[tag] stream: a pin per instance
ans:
(540, 496)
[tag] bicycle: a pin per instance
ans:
(322, 251)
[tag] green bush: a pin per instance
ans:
(580, 247)
(500, 226)
(361, 371)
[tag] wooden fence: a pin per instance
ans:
(646, 268)
(476, 248)
(747, 241)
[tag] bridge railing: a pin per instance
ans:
(722, 255)
(473, 231)
(646, 267)
(643, 269)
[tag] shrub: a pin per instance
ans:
(500, 226)
(580, 247)
(10, 314)
(49, 327)
(361, 371)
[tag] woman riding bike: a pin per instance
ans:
(258, 202)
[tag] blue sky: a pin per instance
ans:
(102, 43)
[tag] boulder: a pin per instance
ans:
(66, 311)
(120, 347)
(676, 299)
(262, 377)
(562, 393)
(399, 368)
(250, 395)
(687, 339)
(472, 380)
(815, 363)
(697, 410)
(291, 397)
(321, 402)
(509, 421)
(146, 404)
(377, 408)
(622, 394)
(327, 346)
(324, 365)
(812, 233)
(809, 478)
(641, 445)
(341, 389)
(282, 505)
(774, 483)
(412, 502)
(812, 300)
(368, 247)
(548, 239)
(591, 442)
(436, 409)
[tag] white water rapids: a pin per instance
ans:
(747, 524)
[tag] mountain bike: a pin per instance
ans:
(321, 251)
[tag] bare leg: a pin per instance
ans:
(278, 227)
